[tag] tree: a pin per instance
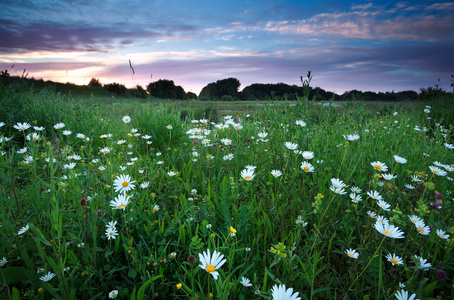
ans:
(220, 88)
(94, 82)
(139, 92)
(116, 88)
(166, 89)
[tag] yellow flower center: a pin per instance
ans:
(122, 206)
(125, 184)
(387, 232)
(110, 233)
(393, 260)
(350, 254)
(435, 171)
(378, 167)
(442, 236)
(34, 138)
(421, 229)
(210, 268)
(247, 177)
(306, 168)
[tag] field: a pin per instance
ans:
(138, 199)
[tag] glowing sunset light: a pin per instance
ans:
(375, 46)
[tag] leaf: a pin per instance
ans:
(141, 291)
(15, 275)
(132, 273)
(429, 288)
(16, 294)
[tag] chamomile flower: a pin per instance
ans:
(228, 157)
(276, 173)
(3, 262)
(120, 202)
(245, 282)
(307, 167)
(355, 198)
(403, 295)
(59, 125)
(111, 224)
(105, 150)
(281, 293)
(389, 176)
(379, 166)
(308, 154)
(449, 146)
(144, 184)
(22, 126)
(385, 206)
(371, 214)
(169, 126)
(262, 134)
(67, 132)
(211, 262)
(355, 189)
(226, 141)
(123, 184)
(300, 123)
(32, 137)
(47, 277)
(423, 264)
(442, 234)
(382, 220)
(394, 259)
(351, 137)
(399, 159)
(248, 174)
(437, 171)
(337, 183)
(388, 230)
(171, 173)
(291, 146)
(352, 253)
(126, 119)
(374, 195)
(422, 228)
(415, 219)
(111, 233)
(23, 230)
(339, 191)
(409, 186)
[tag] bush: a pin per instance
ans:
(227, 98)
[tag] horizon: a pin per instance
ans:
(378, 46)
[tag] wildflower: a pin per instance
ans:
(337, 183)
(105, 150)
(449, 146)
(126, 119)
(379, 166)
(111, 233)
(81, 245)
(69, 166)
(441, 275)
(123, 184)
(101, 168)
(441, 234)
(352, 137)
(194, 192)
(374, 195)
(59, 125)
(422, 228)
(211, 262)
(276, 173)
(300, 123)
(3, 262)
(171, 173)
(355, 198)
(114, 293)
(291, 146)
(352, 253)
(228, 157)
(22, 151)
(120, 202)
(22, 126)
(47, 277)
(389, 230)
(81, 136)
(111, 224)
(339, 191)
(299, 221)
(409, 186)
(307, 167)
(169, 126)
(121, 142)
(155, 208)
(23, 230)
(33, 137)
(415, 219)
(262, 134)
(437, 171)
(179, 285)
(385, 206)
(382, 220)
(245, 282)
(399, 159)
(248, 174)
(403, 295)
(388, 176)
(281, 293)
(426, 110)
(423, 264)
(394, 259)
(308, 154)
(355, 189)
(144, 184)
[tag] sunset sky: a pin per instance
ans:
(376, 46)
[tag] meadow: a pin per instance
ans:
(277, 200)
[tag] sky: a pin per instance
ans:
(363, 45)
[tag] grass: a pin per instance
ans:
(186, 196)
